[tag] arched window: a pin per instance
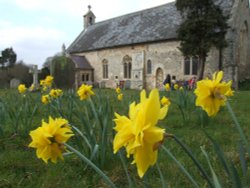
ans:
(105, 69)
(149, 67)
(191, 65)
(127, 67)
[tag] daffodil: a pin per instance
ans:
(48, 81)
(165, 101)
(55, 93)
(120, 96)
(118, 90)
(167, 87)
(211, 94)
(85, 91)
(48, 139)
(181, 88)
(138, 133)
(22, 88)
(32, 87)
(45, 99)
(176, 86)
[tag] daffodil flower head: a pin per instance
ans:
(120, 97)
(138, 132)
(165, 101)
(176, 86)
(48, 81)
(55, 93)
(118, 90)
(85, 91)
(22, 88)
(167, 87)
(32, 87)
(212, 94)
(49, 139)
(45, 99)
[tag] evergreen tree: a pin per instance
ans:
(8, 58)
(204, 26)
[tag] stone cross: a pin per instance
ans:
(34, 70)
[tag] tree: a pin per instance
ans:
(204, 26)
(63, 70)
(8, 58)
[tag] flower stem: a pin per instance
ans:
(196, 162)
(86, 160)
(181, 167)
(238, 127)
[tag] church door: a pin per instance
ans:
(159, 78)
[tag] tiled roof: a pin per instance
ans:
(150, 25)
(81, 62)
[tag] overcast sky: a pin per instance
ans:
(36, 29)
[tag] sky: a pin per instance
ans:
(37, 29)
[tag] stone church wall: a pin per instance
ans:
(164, 55)
(236, 55)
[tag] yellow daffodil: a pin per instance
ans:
(138, 133)
(55, 93)
(167, 87)
(32, 87)
(42, 83)
(211, 94)
(48, 139)
(181, 88)
(45, 99)
(118, 90)
(48, 81)
(120, 96)
(176, 86)
(22, 88)
(165, 101)
(85, 91)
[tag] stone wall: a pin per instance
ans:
(164, 55)
(237, 56)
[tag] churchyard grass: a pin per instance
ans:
(92, 123)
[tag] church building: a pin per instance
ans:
(138, 50)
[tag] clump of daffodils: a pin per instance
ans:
(212, 93)
(139, 133)
(85, 91)
(55, 93)
(49, 139)
(47, 82)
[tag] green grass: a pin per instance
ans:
(19, 166)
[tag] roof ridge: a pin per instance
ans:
(133, 13)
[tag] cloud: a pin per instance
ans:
(32, 44)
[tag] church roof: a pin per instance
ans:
(150, 25)
(81, 62)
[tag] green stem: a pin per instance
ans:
(164, 184)
(180, 166)
(196, 162)
(86, 160)
(238, 127)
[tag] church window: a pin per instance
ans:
(191, 65)
(83, 77)
(149, 67)
(105, 69)
(127, 66)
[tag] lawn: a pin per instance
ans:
(93, 122)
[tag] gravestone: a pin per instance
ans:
(34, 70)
(14, 83)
